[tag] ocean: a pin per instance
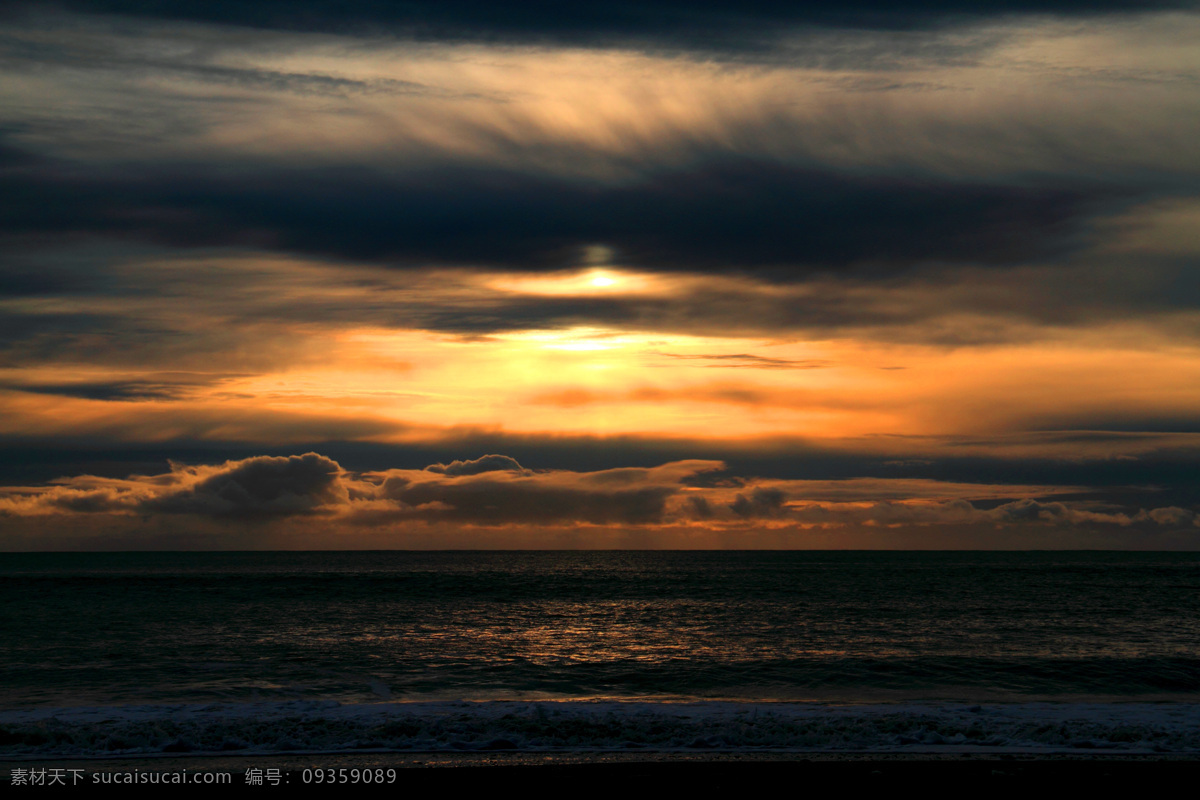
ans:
(128, 653)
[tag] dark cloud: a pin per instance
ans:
(720, 214)
(36, 266)
(180, 63)
(274, 486)
(153, 317)
(1173, 516)
(105, 390)
(265, 487)
(762, 502)
(276, 81)
(1098, 424)
(36, 335)
(1165, 466)
(18, 283)
(262, 485)
(508, 494)
(158, 387)
(488, 501)
(700, 508)
(488, 463)
(670, 24)
(1033, 510)
(936, 305)
(17, 158)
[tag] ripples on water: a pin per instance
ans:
(355, 627)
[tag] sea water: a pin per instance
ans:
(597, 649)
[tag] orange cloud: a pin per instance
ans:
(496, 491)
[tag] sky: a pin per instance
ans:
(368, 275)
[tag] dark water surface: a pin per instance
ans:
(107, 628)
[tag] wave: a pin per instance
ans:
(574, 726)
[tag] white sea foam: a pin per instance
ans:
(326, 726)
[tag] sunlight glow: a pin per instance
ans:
(583, 283)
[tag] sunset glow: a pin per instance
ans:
(912, 258)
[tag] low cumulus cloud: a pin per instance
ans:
(489, 463)
(264, 485)
(260, 486)
(495, 490)
(762, 502)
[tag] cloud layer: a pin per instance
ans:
(736, 26)
(685, 272)
(495, 491)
